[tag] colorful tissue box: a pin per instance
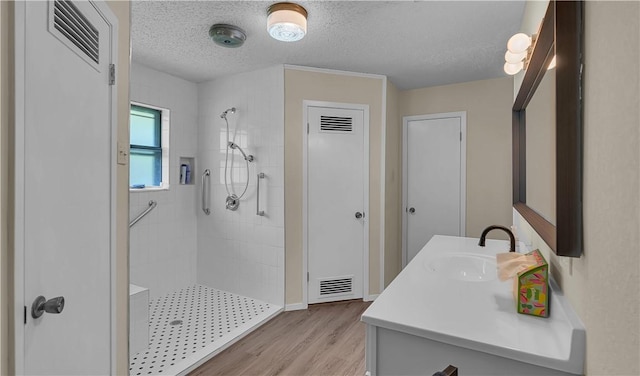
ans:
(533, 287)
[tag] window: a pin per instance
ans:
(148, 151)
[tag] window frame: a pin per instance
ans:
(163, 134)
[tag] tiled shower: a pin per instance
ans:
(240, 251)
(163, 245)
(178, 249)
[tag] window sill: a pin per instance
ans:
(149, 189)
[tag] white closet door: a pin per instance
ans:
(433, 180)
(335, 197)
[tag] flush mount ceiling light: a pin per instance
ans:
(287, 22)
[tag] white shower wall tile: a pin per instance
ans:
(163, 244)
(240, 251)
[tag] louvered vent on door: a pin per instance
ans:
(336, 286)
(75, 27)
(336, 124)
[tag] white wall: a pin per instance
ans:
(239, 251)
(163, 244)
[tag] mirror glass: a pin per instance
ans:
(541, 148)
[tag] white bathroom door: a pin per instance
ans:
(65, 163)
(336, 203)
(434, 179)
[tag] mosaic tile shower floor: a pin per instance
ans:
(192, 322)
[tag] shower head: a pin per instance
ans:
(224, 114)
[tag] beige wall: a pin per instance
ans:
(320, 86)
(602, 285)
(122, 10)
(393, 188)
(5, 89)
(488, 106)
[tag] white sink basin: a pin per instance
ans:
(463, 267)
(433, 308)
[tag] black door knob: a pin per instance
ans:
(412, 210)
(359, 215)
(42, 305)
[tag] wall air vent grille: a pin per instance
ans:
(75, 27)
(336, 124)
(336, 286)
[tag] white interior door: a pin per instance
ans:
(64, 186)
(336, 204)
(434, 173)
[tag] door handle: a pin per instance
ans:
(359, 215)
(42, 305)
(412, 210)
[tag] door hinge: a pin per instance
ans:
(307, 276)
(112, 74)
(307, 128)
(25, 315)
(460, 136)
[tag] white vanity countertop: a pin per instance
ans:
(477, 315)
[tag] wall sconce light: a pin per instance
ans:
(519, 49)
(517, 55)
(287, 22)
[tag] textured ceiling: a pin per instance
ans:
(415, 44)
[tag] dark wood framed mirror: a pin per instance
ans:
(560, 35)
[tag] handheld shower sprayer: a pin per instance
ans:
(224, 114)
(233, 200)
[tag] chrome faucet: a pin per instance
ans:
(483, 237)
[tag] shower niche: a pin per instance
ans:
(186, 170)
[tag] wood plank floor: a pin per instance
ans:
(326, 339)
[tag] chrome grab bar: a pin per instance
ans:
(152, 205)
(258, 211)
(205, 207)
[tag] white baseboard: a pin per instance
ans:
(371, 297)
(295, 307)
(302, 306)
